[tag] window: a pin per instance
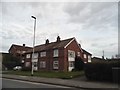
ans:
(71, 53)
(42, 64)
(78, 53)
(27, 64)
(35, 55)
(85, 56)
(55, 54)
(71, 63)
(42, 54)
(28, 56)
(55, 65)
(23, 51)
(89, 58)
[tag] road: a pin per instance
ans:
(10, 83)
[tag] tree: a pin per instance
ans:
(79, 64)
(9, 61)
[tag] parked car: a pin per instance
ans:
(17, 68)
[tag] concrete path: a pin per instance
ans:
(67, 82)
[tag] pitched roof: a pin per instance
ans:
(19, 47)
(84, 51)
(52, 45)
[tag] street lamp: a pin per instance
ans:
(33, 45)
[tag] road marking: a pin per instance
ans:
(37, 83)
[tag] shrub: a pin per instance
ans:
(101, 70)
(79, 64)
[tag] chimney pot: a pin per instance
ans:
(24, 45)
(47, 41)
(58, 39)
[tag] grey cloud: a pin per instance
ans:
(97, 45)
(74, 9)
(113, 44)
(94, 44)
(5, 47)
(90, 13)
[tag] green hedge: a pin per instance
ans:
(79, 64)
(101, 70)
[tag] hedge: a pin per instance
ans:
(101, 70)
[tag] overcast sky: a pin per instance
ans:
(93, 24)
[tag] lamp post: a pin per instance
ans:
(33, 45)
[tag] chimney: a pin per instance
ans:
(58, 39)
(79, 45)
(47, 41)
(23, 45)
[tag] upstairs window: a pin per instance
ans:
(78, 53)
(55, 54)
(28, 56)
(85, 56)
(89, 58)
(42, 54)
(71, 54)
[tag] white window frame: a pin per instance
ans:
(55, 64)
(89, 58)
(71, 53)
(42, 64)
(43, 54)
(27, 55)
(78, 54)
(55, 53)
(85, 56)
(71, 63)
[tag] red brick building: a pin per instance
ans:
(86, 56)
(18, 51)
(59, 55)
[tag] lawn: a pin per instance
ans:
(62, 75)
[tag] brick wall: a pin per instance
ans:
(74, 47)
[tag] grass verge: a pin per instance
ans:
(62, 75)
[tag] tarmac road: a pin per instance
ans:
(18, 84)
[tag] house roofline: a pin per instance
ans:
(86, 51)
(69, 43)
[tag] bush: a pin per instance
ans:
(79, 64)
(101, 70)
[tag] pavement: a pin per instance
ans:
(81, 83)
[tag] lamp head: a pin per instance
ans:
(33, 17)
